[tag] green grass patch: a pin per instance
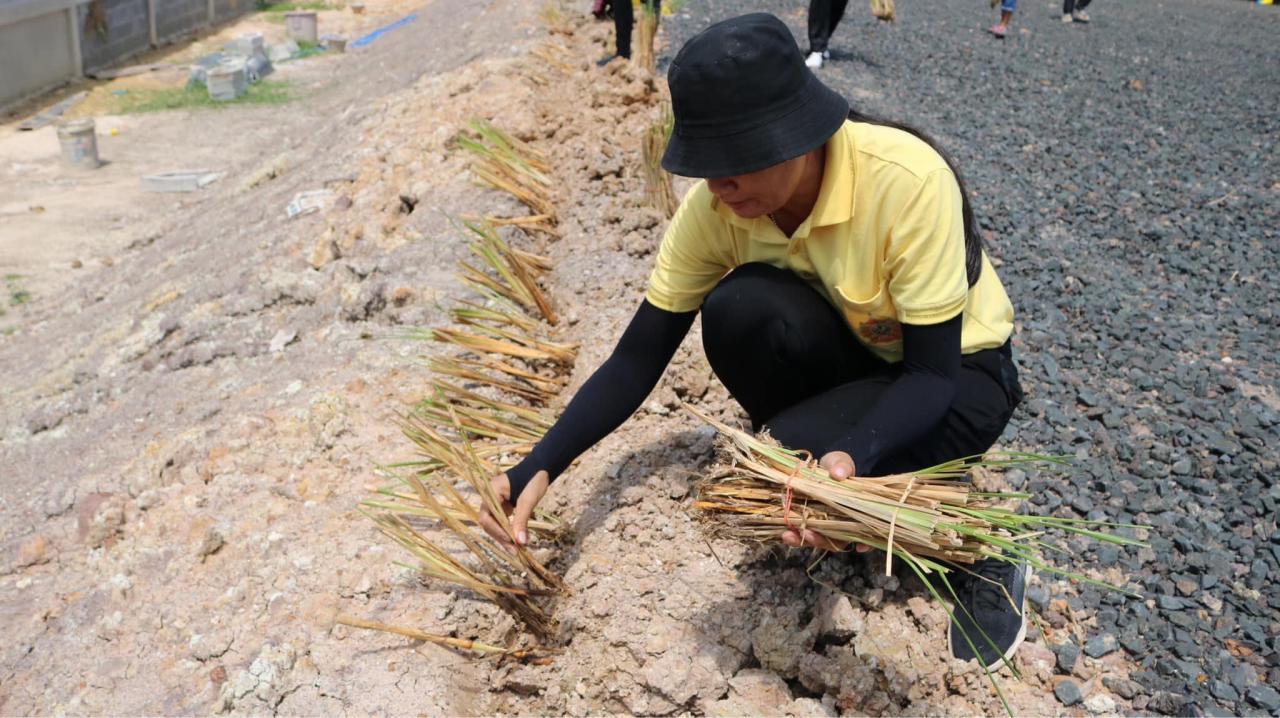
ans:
(8, 331)
(17, 295)
(307, 49)
(284, 7)
(267, 92)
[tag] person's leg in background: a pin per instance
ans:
(1007, 7)
(824, 15)
(623, 19)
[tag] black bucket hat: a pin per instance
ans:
(744, 100)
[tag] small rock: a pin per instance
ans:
(325, 251)
(1099, 703)
(1068, 692)
(1265, 697)
(98, 518)
(1099, 646)
(779, 643)
(34, 550)
(843, 621)
(211, 542)
(807, 707)
(1167, 703)
(760, 692)
(1068, 653)
(1038, 657)
(1039, 597)
(282, 339)
(1122, 687)
(1224, 691)
(684, 673)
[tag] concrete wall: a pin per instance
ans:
(37, 48)
(128, 33)
(227, 9)
(44, 43)
(175, 17)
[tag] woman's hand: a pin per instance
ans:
(840, 465)
(519, 513)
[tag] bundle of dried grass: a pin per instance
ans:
(657, 181)
(505, 163)
(556, 55)
(483, 411)
(516, 272)
(515, 582)
(932, 520)
(884, 10)
(646, 35)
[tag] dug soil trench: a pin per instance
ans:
(193, 424)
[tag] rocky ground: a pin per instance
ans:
(194, 420)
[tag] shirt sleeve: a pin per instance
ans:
(693, 257)
(925, 259)
(915, 402)
(612, 394)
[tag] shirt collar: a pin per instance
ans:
(835, 198)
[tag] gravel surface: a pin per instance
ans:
(1126, 175)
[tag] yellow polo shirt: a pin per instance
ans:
(884, 244)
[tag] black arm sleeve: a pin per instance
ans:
(916, 401)
(610, 396)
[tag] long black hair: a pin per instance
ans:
(972, 237)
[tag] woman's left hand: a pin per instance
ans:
(840, 465)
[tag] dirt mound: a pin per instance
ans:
(200, 419)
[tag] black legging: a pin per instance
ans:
(623, 19)
(1070, 6)
(824, 15)
(792, 362)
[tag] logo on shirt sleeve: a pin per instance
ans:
(880, 331)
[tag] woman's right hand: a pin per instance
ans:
(518, 513)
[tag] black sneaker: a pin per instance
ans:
(991, 609)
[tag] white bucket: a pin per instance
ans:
(79, 144)
(227, 82)
(301, 26)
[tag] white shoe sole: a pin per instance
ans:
(1017, 641)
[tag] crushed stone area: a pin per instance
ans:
(194, 421)
(1126, 176)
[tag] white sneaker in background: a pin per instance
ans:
(1066, 17)
(1080, 16)
(814, 61)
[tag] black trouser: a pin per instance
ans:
(824, 15)
(1070, 6)
(789, 358)
(623, 19)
